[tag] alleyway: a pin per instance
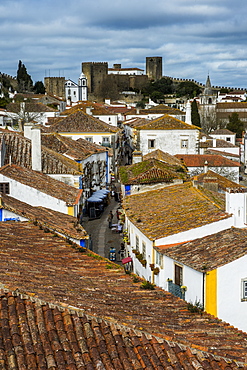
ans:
(101, 236)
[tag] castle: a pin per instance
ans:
(104, 82)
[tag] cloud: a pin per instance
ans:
(194, 37)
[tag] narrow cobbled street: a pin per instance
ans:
(103, 238)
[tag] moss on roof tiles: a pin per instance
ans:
(48, 269)
(166, 122)
(171, 210)
(42, 182)
(212, 251)
(150, 171)
(81, 122)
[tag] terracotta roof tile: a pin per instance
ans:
(222, 131)
(213, 177)
(198, 160)
(171, 210)
(151, 171)
(164, 109)
(18, 148)
(29, 107)
(42, 182)
(166, 122)
(164, 157)
(97, 109)
(68, 309)
(77, 149)
(46, 218)
(211, 251)
(49, 338)
(81, 122)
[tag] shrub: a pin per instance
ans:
(147, 285)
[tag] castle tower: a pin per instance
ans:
(55, 86)
(82, 88)
(95, 74)
(154, 68)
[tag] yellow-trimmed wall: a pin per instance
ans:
(211, 292)
(71, 211)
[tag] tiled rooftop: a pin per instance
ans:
(97, 109)
(166, 122)
(164, 157)
(212, 251)
(30, 107)
(164, 109)
(76, 149)
(221, 144)
(198, 160)
(234, 105)
(222, 131)
(39, 336)
(18, 148)
(46, 218)
(42, 182)
(35, 263)
(213, 177)
(224, 154)
(136, 122)
(171, 210)
(151, 171)
(81, 122)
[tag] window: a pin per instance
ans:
(184, 143)
(178, 275)
(144, 250)
(244, 289)
(89, 138)
(158, 258)
(151, 143)
(105, 139)
(228, 139)
(137, 243)
(4, 187)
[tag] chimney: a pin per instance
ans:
(188, 113)
(32, 132)
(89, 110)
(136, 156)
(205, 166)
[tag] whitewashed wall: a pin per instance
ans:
(111, 119)
(33, 196)
(169, 141)
(230, 307)
(198, 232)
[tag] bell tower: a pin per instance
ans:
(82, 87)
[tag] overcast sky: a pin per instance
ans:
(194, 37)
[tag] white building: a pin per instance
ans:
(76, 92)
(158, 222)
(165, 133)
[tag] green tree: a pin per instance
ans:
(24, 80)
(157, 96)
(4, 102)
(39, 87)
(195, 117)
(235, 124)
(187, 88)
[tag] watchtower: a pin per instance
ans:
(95, 73)
(154, 68)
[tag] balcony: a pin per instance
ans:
(176, 290)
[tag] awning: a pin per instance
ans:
(94, 199)
(126, 260)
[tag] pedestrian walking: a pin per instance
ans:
(109, 219)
